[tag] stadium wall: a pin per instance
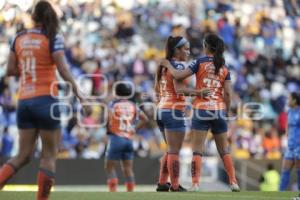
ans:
(87, 172)
(91, 172)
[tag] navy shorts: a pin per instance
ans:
(119, 148)
(171, 120)
(203, 120)
(36, 113)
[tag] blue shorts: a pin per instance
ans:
(36, 113)
(119, 148)
(171, 120)
(203, 120)
(292, 153)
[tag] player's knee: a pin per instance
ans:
(109, 168)
(127, 171)
(223, 151)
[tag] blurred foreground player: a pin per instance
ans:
(35, 55)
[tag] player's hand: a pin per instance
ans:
(205, 92)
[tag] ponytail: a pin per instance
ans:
(218, 58)
(216, 46)
(45, 15)
(171, 45)
(169, 48)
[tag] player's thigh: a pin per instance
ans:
(297, 156)
(198, 138)
(127, 164)
(50, 142)
(27, 141)
(110, 165)
(221, 141)
(174, 139)
(287, 164)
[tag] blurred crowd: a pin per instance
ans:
(113, 40)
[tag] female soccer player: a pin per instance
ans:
(171, 108)
(123, 115)
(292, 154)
(209, 112)
(35, 55)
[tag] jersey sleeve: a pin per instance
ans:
(194, 66)
(110, 105)
(57, 44)
(228, 77)
(13, 44)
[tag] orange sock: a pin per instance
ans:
(112, 184)
(45, 183)
(229, 167)
(6, 172)
(163, 172)
(129, 186)
(196, 167)
(173, 168)
(130, 183)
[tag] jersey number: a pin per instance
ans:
(124, 124)
(28, 65)
(211, 83)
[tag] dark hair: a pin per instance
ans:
(216, 46)
(170, 46)
(296, 96)
(170, 51)
(45, 15)
(124, 89)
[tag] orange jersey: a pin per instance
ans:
(168, 98)
(36, 67)
(122, 117)
(205, 78)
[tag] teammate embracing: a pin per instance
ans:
(171, 107)
(209, 112)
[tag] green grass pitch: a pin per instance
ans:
(153, 196)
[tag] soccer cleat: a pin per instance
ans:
(163, 187)
(195, 188)
(180, 189)
(234, 187)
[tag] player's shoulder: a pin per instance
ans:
(177, 65)
(59, 37)
(203, 59)
(21, 33)
(200, 60)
